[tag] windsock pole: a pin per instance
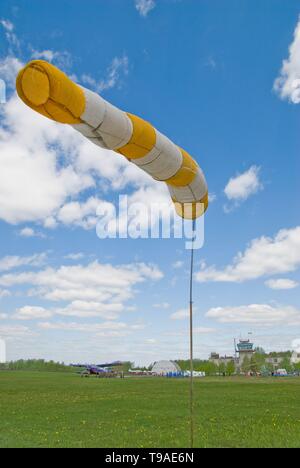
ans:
(192, 422)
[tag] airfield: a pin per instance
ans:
(45, 409)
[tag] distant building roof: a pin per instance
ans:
(165, 367)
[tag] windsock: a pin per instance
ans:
(48, 91)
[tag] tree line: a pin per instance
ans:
(36, 365)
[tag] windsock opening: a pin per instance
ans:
(191, 210)
(50, 92)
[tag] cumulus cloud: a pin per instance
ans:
(61, 59)
(259, 314)
(177, 265)
(32, 185)
(85, 309)
(10, 35)
(30, 232)
(12, 262)
(4, 293)
(242, 186)
(7, 25)
(281, 283)
(31, 313)
(95, 290)
(265, 256)
(115, 72)
(74, 256)
(14, 331)
(287, 85)
(162, 305)
(180, 314)
(100, 329)
(144, 6)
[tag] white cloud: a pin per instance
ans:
(11, 262)
(29, 165)
(32, 313)
(144, 6)
(74, 256)
(151, 341)
(9, 68)
(203, 330)
(212, 197)
(83, 327)
(244, 185)
(7, 25)
(80, 214)
(177, 265)
(61, 59)
(264, 257)
(10, 35)
(95, 290)
(180, 314)
(115, 72)
(85, 309)
(287, 85)
(197, 331)
(163, 305)
(4, 293)
(27, 232)
(14, 331)
(30, 232)
(281, 283)
(259, 314)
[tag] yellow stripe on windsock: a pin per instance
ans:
(142, 141)
(50, 92)
(186, 173)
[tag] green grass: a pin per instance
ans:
(62, 410)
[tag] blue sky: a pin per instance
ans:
(219, 78)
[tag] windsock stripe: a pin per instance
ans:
(191, 210)
(142, 140)
(163, 161)
(186, 173)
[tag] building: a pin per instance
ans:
(245, 350)
(274, 361)
(165, 367)
(216, 359)
(295, 359)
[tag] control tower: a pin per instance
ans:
(244, 348)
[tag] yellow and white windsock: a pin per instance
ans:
(50, 92)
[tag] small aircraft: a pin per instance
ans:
(93, 369)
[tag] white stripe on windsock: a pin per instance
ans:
(167, 159)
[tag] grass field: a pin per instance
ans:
(62, 410)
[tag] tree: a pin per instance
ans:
(246, 365)
(286, 364)
(230, 368)
(253, 364)
(222, 368)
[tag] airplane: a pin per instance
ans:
(93, 369)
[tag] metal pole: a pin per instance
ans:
(192, 344)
